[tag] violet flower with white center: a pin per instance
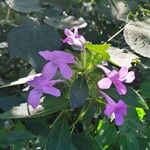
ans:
(74, 39)
(117, 78)
(117, 110)
(57, 60)
(40, 86)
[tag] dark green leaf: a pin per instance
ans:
(144, 87)
(79, 92)
(84, 142)
(107, 135)
(31, 37)
(59, 137)
(7, 102)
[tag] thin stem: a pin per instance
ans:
(84, 55)
(115, 34)
(28, 109)
(82, 113)
(57, 118)
(8, 13)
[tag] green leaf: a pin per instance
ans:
(7, 102)
(84, 142)
(19, 134)
(79, 92)
(132, 98)
(24, 6)
(107, 135)
(11, 137)
(31, 37)
(37, 126)
(99, 49)
(59, 137)
(144, 88)
(49, 106)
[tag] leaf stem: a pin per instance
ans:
(115, 34)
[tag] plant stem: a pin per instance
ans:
(115, 34)
(57, 118)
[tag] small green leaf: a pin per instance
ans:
(49, 106)
(59, 137)
(99, 49)
(79, 92)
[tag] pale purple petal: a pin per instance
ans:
(130, 77)
(107, 71)
(49, 70)
(119, 119)
(121, 107)
(82, 39)
(34, 97)
(104, 83)
(113, 75)
(68, 32)
(121, 89)
(47, 55)
(68, 40)
(108, 99)
(123, 73)
(109, 109)
(51, 90)
(77, 42)
(65, 70)
(66, 57)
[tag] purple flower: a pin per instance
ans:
(117, 110)
(74, 39)
(117, 78)
(41, 85)
(57, 59)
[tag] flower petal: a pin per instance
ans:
(107, 71)
(65, 70)
(130, 77)
(68, 32)
(76, 42)
(51, 90)
(109, 109)
(121, 89)
(119, 119)
(47, 55)
(104, 83)
(49, 70)
(34, 97)
(108, 99)
(66, 57)
(123, 73)
(121, 107)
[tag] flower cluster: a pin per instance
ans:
(45, 83)
(61, 61)
(113, 109)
